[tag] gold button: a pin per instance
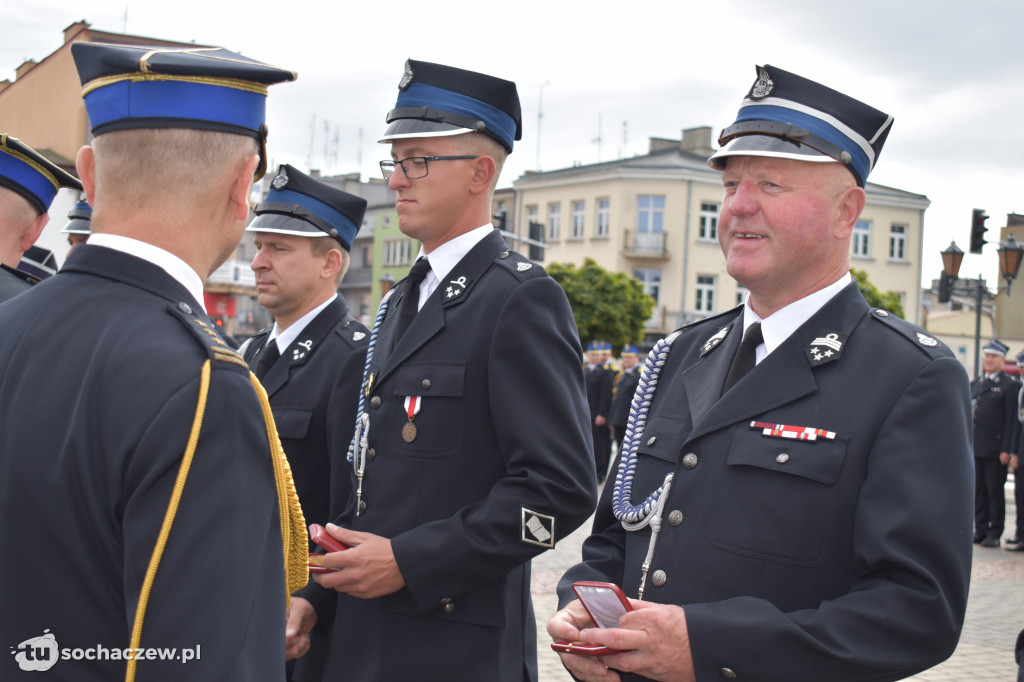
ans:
(727, 674)
(375, 402)
(782, 458)
(426, 383)
(675, 517)
(659, 578)
(689, 460)
(370, 454)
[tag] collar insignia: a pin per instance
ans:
(825, 349)
(455, 288)
(764, 85)
(302, 349)
(280, 180)
(713, 342)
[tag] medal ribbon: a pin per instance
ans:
(412, 406)
(795, 432)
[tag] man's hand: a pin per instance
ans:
(300, 619)
(1004, 458)
(368, 567)
(1014, 461)
(652, 637)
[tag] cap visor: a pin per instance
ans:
(284, 224)
(766, 145)
(404, 128)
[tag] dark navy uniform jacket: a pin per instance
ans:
(314, 401)
(622, 396)
(99, 386)
(14, 282)
(995, 414)
(502, 442)
(599, 390)
(842, 558)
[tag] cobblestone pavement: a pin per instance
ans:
(995, 611)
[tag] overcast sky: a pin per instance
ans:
(950, 73)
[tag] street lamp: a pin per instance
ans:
(1010, 253)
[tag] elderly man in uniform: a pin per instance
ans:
(28, 185)
(793, 502)
(140, 492)
(79, 225)
(994, 395)
(472, 453)
(311, 360)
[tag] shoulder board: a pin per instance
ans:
(207, 336)
(353, 331)
(918, 337)
(520, 265)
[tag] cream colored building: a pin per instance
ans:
(656, 217)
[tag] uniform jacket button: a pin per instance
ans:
(689, 460)
(782, 458)
(447, 605)
(727, 674)
(362, 507)
(659, 578)
(650, 441)
(375, 402)
(370, 454)
(426, 383)
(675, 517)
(185, 308)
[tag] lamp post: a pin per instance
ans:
(1010, 253)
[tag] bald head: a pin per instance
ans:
(20, 225)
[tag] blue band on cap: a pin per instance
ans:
(860, 164)
(497, 121)
(16, 170)
(130, 100)
(345, 227)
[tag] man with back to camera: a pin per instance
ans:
(79, 225)
(798, 504)
(144, 496)
(310, 360)
(28, 185)
(476, 455)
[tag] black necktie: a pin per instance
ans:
(267, 358)
(411, 297)
(746, 356)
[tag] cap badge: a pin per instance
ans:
(825, 349)
(407, 76)
(280, 180)
(764, 85)
(926, 340)
(714, 340)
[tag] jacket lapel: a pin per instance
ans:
(304, 345)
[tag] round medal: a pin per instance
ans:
(409, 432)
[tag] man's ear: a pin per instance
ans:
(241, 188)
(850, 204)
(86, 164)
(332, 264)
(484, 169)
(30, 237)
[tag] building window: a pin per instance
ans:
(741, 294)
(651, 281)
(650, 214)
(705, 294)
(367, 253)
(708, 229)
(862, 239)
(397, 252)
(554, 221)
(604, 218)
(898, 242)
(577, 219)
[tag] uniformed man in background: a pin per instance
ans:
(1015, 543)
(311, 359)
(994, 396)
(28, 185)
(473, 450)
(139, 492)
(599, 400)
(79, 225)
(623, 388)
(794, 499)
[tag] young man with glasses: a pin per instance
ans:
(477, 449)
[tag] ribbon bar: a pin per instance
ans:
(795, 432)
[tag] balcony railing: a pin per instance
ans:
(644, 244)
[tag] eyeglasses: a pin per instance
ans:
(415, 167)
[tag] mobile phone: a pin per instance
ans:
(606, 603)
(320, 536)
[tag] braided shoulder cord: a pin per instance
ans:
(622, 506)
(361, 421)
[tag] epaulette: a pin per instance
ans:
(921, 340)
(520, 265)
(353, 332)
(207, 336)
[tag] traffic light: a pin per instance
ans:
(944, 288)
(978, 230)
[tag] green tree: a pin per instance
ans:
(888, 300)
(609, 306)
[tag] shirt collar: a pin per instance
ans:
(445, 257)
(287, 337)
(171, 264)
(778, 326)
